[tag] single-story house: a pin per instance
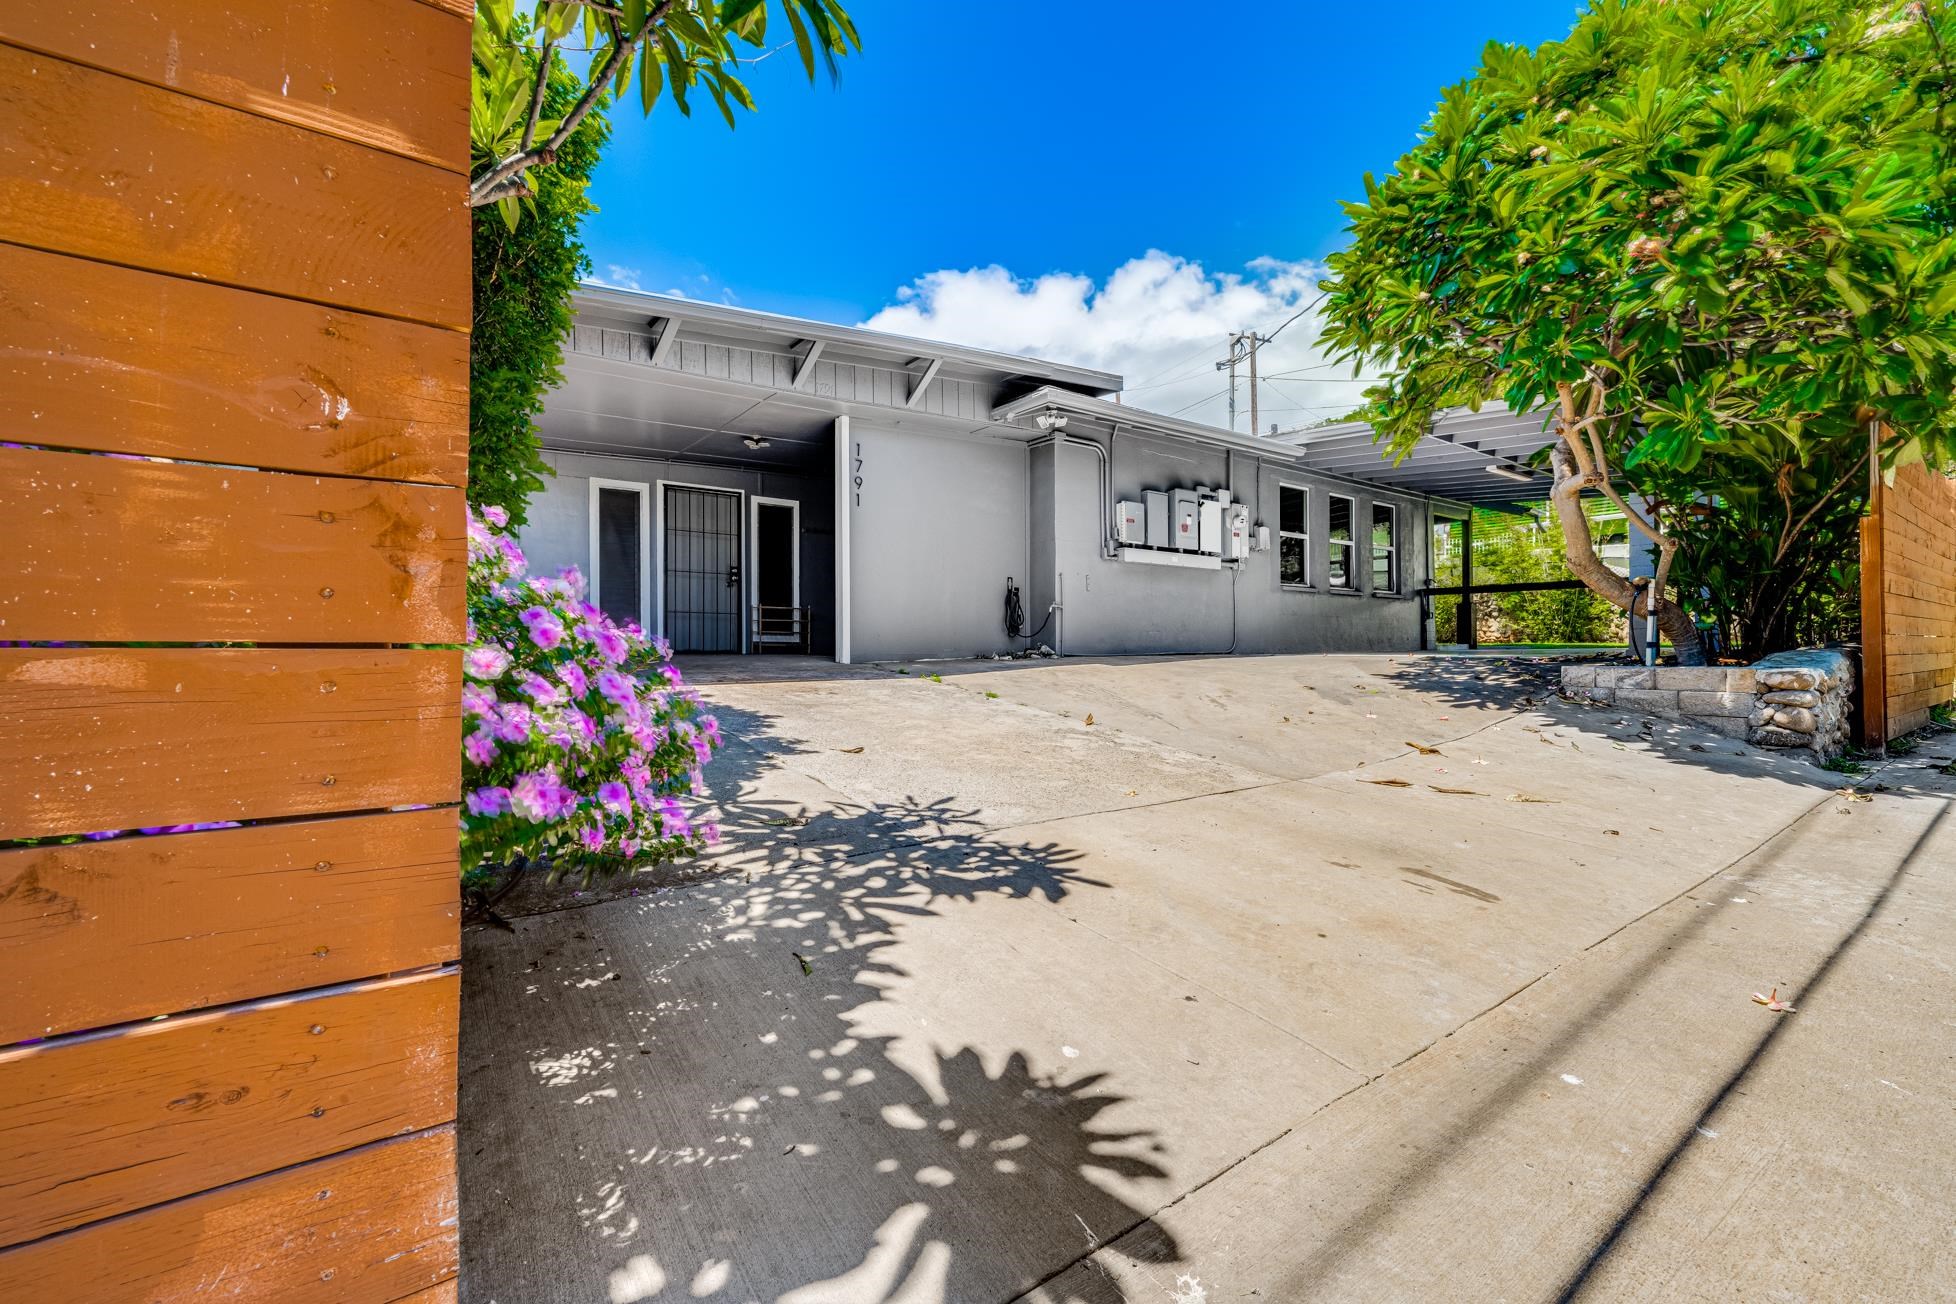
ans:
(741, 481)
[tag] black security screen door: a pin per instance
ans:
(620, 550)
(702, 570)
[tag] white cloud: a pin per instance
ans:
(1160, 321)
(619, 276)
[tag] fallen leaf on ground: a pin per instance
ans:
(1131, 792)
(1457, 792)
(1388, 783)
(806, 969)
(1853, 794)
(1423, 749)
(1539, 801)
(1478, 760)
(1089, 719)
(1773, 1002)
(1613, 833)
(851, 751)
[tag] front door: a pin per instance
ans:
(702, 570)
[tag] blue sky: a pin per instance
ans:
(999, 173)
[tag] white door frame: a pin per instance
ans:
(754, 504)
(644, 492)
(659, 547)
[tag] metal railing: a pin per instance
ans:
(783, 628)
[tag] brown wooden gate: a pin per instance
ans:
(1908, 602)
(234, 256)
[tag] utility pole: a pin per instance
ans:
(1242, 347)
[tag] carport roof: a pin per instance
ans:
(771, 329)
(1479, 458)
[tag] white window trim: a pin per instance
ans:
(1391, 549)
(1351, 559)
(644, 492)
(754, 505)
(1304, 535)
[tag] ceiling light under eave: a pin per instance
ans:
(1509, 473)
(753, 441)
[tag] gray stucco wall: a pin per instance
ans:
(559, 529)
(935, 527)
(1110, 607)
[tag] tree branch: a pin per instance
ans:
(487, 188)
(536, 93)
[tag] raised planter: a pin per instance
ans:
(1791, 699)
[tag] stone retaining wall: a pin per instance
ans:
(1790, 699)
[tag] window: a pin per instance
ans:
(1340, 560)
(1293, 535)
(620, 514)
(1385, 555)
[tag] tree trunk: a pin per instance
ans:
(1613, 588)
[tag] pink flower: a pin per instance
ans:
(514, 722)
(477, 700)
(618, 688)
(611, 645)
(573, 676)
(628, 847)
(615, 797)
(485, 661)
(495, 515)
(488, 801)
(662, 647)
(546, 631)
(540, 690)
(711, 832)
(480, 746)
(591, 836)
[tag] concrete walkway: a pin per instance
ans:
(1287, 978)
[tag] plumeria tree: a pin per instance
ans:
(1711, 238)
(581, 742)
(674, 48)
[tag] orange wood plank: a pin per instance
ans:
(372, 1225)
(226, 196)
(107, 550)
(109, 932)
(105, 1123)
(313, 65)
(105, 738)
(123, 361)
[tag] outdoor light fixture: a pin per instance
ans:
(1050, 419)
(753, 441)
(1509, 473)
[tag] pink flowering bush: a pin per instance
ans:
(580, 741)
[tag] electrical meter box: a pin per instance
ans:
(1130, 524)
(1181, 504)
(1161, 531)
(1209, 513)
(1236, 531)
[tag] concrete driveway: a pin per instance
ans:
(1285, 978)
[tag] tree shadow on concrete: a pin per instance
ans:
(716, 1091)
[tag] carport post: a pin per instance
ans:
(845, 485)
(1463, 623)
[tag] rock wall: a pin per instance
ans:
(1791, 699)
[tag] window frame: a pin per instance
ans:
(1302, 536)
(1351, 584)
(1391, 549)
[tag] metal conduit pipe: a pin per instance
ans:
(1106, 477)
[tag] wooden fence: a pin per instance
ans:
(1908, 602)
(234, 254)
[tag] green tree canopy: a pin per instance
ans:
(670, 48)
(524, 275)
(1711, 236)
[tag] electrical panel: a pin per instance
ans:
(1130, 524)
(1236, 532)
(1209, 515)
(1181, 511)
(1161, 532)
